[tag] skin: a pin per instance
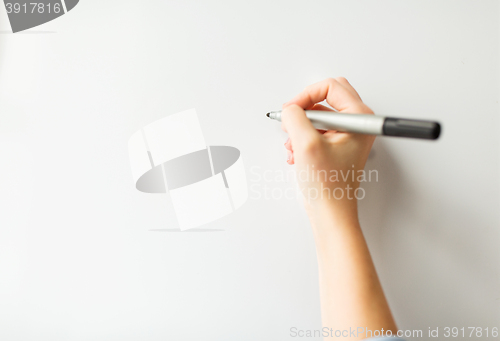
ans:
(350, 292)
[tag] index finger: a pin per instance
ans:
(330, 89)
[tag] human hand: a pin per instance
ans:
(328, 164)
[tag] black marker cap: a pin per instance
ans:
(411, 128)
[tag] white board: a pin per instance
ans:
(84, 255)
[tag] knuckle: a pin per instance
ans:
(312, 145)
(331, 80)
(364, 109)
(289, 109)
(285, 111)
(341, 79)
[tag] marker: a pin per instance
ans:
(369, 124)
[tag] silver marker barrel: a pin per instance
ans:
(369, 124)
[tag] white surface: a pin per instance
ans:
(77, 259)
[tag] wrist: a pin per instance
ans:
(326, 214)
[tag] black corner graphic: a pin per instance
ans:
(26, 14)
(70, 4)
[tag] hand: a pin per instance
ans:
(326, 161)
(350, 292)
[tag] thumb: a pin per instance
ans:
(295, 122)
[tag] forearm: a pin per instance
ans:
(350, 291)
